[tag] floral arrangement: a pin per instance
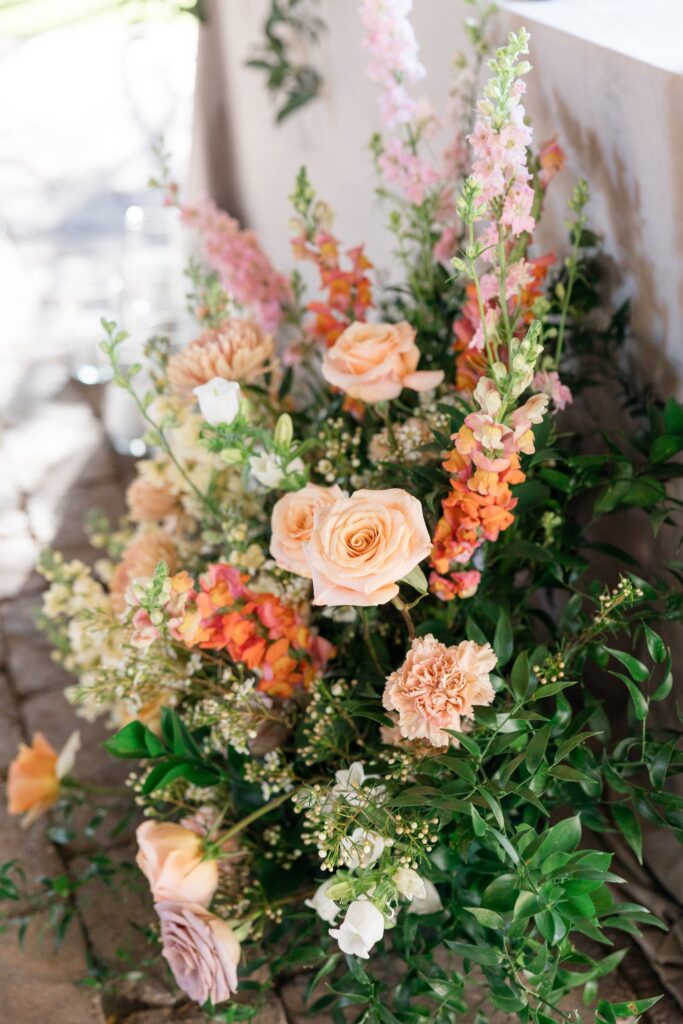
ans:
(381, 707)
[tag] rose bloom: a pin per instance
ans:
(139, 561)
(292, 524)
(202, 950)
(361, 546)
(148, 501)
(35, 773)
(170, 856)
(374, 362)
(237, 350)
(436, 685)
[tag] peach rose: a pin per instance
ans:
(436, 685)
(237, 350)
(292, 525)
(361, 546)
(201, 949)
(35, 774)
(171, 858)
(374, 362)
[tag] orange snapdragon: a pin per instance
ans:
(484, 466)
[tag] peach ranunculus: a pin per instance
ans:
(292, 525)
(436, 685)
(201, 949)
(139, 561)
(237, 350)
(35, 773)
(374, 362)
(148, 502)
(363, 545)
(171, 857)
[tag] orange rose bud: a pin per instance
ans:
(33, 785)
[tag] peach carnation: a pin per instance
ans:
(148, 501)
(436, 685)
(292, 525)
(237, 350)
(139, 561)
(374, 362)
(361, 546)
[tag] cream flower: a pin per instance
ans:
(237, 350)
(172, 858)
(324, 907)
(374, 362)
(409, 884)
(292, 525)
(219, 400)
(361, 928)
(361, 546)
(361, 849)
(430, 903)
(436, 685)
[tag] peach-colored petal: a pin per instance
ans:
(423, 380)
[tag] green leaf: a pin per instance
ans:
(489, 918)
(536, 748)
(561, 838)
(673, 417)
(478, 823)
(483, 955)
(665, 447)
(629, 826)
(519, 677)
(640, 703)
(503, 640)
(635, 668)
(129, 741)
(574, 741)
(655, 644)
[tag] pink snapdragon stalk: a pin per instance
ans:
(244, 269)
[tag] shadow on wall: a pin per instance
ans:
(608, 177)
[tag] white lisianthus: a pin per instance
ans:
(361, 848)
(349, 786)
(427, 904)
(409, 884)
(219, 400)
(324, 907)
(361, 928)
(267, 469)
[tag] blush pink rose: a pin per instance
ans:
(361, 546)
(201, 949)
(171, 858)
(436, 685)
(374, 362)
(292, 524)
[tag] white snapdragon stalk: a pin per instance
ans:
(324, 907)
(361, 848)
(429, 904)
(219, 400)
(409, 884)
(361, 928)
